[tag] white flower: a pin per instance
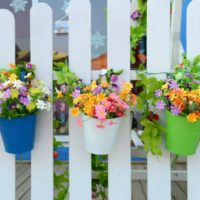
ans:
(46, 90)
(28, 75)
(17, 84)
(6, 83)
(41, 105)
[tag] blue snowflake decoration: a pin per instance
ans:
(98, 40)
(65, 5)
(18, 5)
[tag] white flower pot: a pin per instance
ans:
(100, 141)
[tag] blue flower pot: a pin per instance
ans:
(18, 134)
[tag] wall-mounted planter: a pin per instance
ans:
(100, 141)
(18, 134)
(182, 136)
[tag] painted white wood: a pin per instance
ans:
(34, 2)
(80, 62)
(158, 34)
(175, 32)
(41, 55)
(7, 52)
(193, 49)
(159, 176)
(158, 50)
(119, 58)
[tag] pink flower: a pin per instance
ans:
(79, 122)
(100, 112)
(112, 108)
(100, 126)
(106, 104)
(124, 105)
(111, 123)
(114, 97)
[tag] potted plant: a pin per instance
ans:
(99, 107)
(180, 96)
(21, 97)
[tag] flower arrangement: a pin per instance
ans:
(180, 94)
(103, 99)
(20, 93)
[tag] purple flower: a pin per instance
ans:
(1, 101)
(173, 85)
(97, 90)
(175, 110)
(0, 110)
(196, 81)
(24, 100)
(160, 105)
(1, 86)
(158, 93)
(29, 65)
(63, 88)
(115, 88)
(114, 78)
(6, 94)
(136, 15)
(23, 90)
(12, 106)
(188, 75)
(76, 93)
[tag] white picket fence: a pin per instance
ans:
(159, 61)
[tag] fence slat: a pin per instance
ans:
(158, 50)
(119, 58)
(158, 34)
(7, 52)
(193, 49)
(41, 55)
(159, 176)
(80, 63)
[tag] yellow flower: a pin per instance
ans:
(59, 94)
(14, 93)
(12, 65)
(93, 85)
(100, 97)
(75, 111)
(12, 77)
(126, 87)
(192, 117)
(34, 91)
(104, 84)
(165, 86)
(31, 106)
(87, 88)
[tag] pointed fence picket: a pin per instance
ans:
(41, 55)
(7, 52)
(119, 166)
(80, 62)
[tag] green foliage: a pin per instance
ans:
(189, 72)
(152, 134)
(137, 32)
(100, 182)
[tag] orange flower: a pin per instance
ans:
(75, 111)
(13, 66)
(192, 117)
